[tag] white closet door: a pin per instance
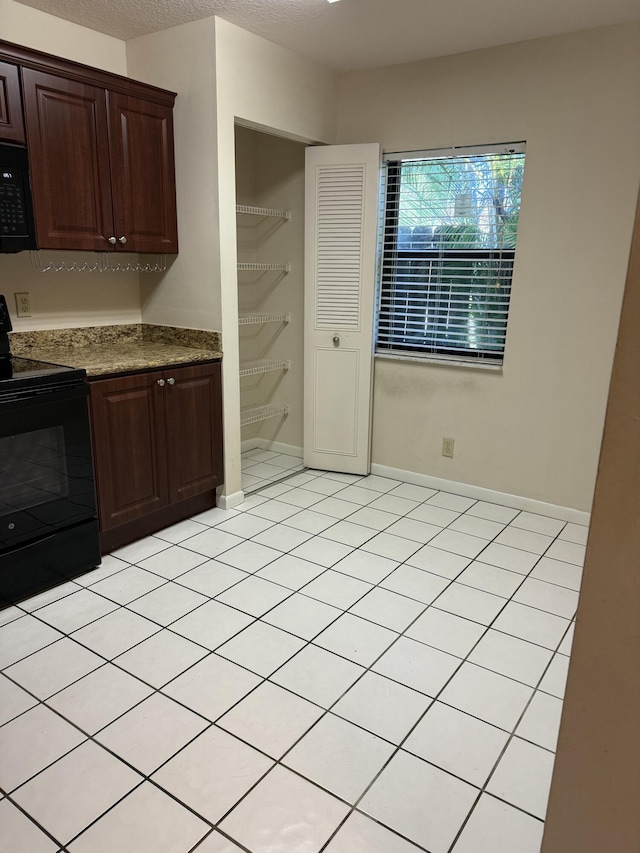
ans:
(341, 210)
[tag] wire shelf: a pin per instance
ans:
(255, 319)
(263, 211)
(252, 368)
(249, 267)
(255, 414)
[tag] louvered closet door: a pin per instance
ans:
(341, 208)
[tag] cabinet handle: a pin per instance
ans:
(160, 382)
(171, 381)
(111, 240)
(122, 240)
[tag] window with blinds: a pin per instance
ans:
(450, 225)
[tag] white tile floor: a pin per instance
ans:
(342, 664)
(261, 467)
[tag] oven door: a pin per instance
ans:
(46, 468)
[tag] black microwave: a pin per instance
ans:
(17, 229)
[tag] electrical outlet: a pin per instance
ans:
(447, 447)
(23, 304)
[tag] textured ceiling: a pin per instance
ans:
(357, 34)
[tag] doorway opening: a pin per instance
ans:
(270, 177)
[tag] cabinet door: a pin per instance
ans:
(142, 173)
(129, 447)
(68, 143)
(193, 410)
(11, 124)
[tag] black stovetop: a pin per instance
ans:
(17, 373)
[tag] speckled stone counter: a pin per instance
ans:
(110, 350)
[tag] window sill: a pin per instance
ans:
(442, 361)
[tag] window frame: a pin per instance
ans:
(389, 237)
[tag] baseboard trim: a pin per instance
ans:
(229, 501)
(276, 446)
(564, 513)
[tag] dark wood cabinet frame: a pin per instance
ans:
(157, 439)
(100, 152)
(11, 122)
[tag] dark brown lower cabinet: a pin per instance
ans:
(157, 439)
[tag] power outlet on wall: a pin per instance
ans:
(23, 304)
(447, 447)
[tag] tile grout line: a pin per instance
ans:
(167, 627)
(504, 749)
(418, 616)
(419, 720)
(61, 847)
(446, 527)
(185, 745)
(160, 628)
(326, 568)
(147, 777)
(155, 690)
(328, 710)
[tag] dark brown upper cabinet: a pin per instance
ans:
(100, 154)
(11, 124)
(142, 174)
(68, 144)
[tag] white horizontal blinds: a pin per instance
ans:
(340, 204)
(448, 245)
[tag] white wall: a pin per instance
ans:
(182, 59)
(262, 84)
(59, 300)
(533, 430)
(40, 31)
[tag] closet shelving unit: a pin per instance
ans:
(263, 211)
(253, 368)
(255, 413)
(250, 267)
(258, 319)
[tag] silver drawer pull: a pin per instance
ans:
(171, 381)
(336, 341)
(160, 382)
(111, 240)
(123, 240)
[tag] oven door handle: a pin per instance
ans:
(30, 397)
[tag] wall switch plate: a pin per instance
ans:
(447, 447)
(23, 304)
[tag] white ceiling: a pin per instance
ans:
(357, 34)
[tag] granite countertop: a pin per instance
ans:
(111, 350)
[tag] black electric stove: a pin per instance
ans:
(18, 374)
(48, 518)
